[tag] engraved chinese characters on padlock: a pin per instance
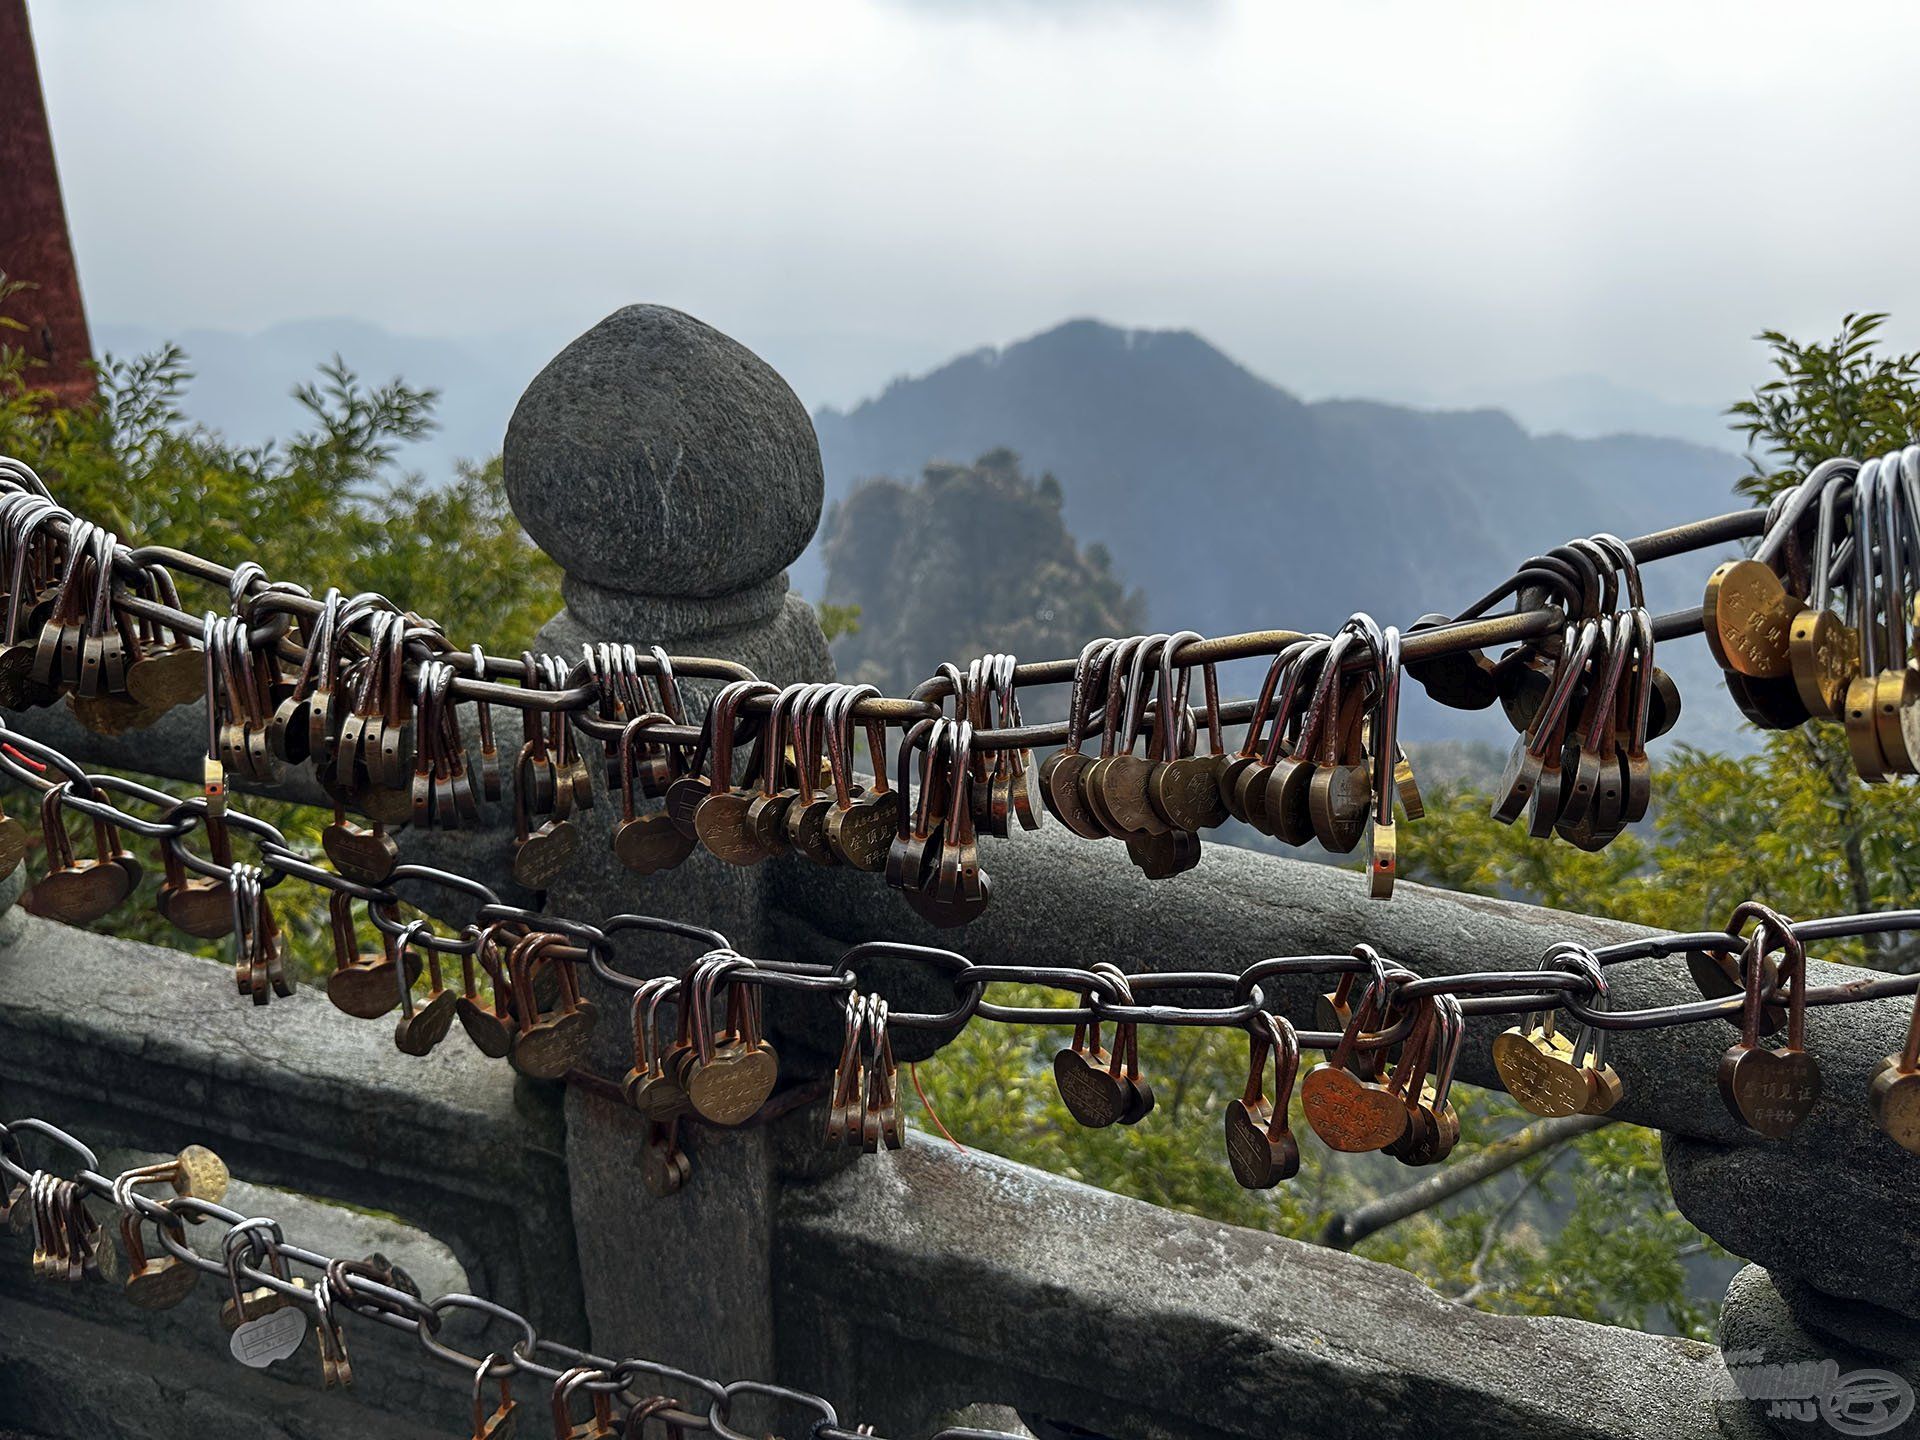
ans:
(1347, 1112)
(361, 855)
(1536, 1065)
(273, 1337)
(266, 1323)
(734, 1069)
(1771, 1091)
(1749, 620)
(547, 1043)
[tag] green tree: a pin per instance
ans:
(330, 506)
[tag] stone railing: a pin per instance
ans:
(673, 476)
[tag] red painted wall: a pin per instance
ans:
(34, 245)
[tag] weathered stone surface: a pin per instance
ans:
(64, 1375)
(13, 919)
(657, 455)
(723, 1217)
(1853, 1323)
(391, 1373)
(1240, 906)
(1748, 1197)
(294, 1095)
(1774, 1360)
(926, 1280)
(685, 1279)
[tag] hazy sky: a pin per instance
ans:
(1377, 198)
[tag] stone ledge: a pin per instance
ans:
(927, 1280)
(67, 1376)
(388, 1374)
(1064, 901)
(139, 1046)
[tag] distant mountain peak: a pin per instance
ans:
(1234, 505)
(1086, 337)
(1082, 346)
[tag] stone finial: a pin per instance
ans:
(656, 456)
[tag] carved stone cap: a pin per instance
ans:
(655, 455)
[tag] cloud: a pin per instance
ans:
(1368, 198)
(1064, 12)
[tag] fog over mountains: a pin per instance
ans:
(1221, 492)
(1236, 506)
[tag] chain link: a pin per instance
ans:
(373, 1301)
(271, 608)
(1096, 996)
(1582, 578)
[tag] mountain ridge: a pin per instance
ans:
(1237, 505)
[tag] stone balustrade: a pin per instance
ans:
(674, 476)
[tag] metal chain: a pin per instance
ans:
(266, 1265)
(1099, 997)
(270, 609)
(1584, 575)
(102, 612)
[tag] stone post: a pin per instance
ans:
(673, 475)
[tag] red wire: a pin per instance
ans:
(913, 1070)
(27, 760)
